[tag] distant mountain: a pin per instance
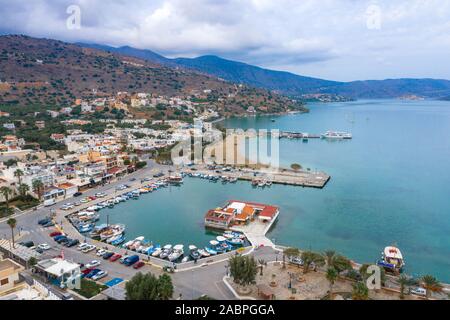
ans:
(292, 84)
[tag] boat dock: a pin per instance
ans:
(283, 176)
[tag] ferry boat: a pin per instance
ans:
(336, 135)
(392, 259)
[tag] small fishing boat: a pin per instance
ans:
(194, 252)
(166, 251)
(203, 253)
(221, 239)
(118, 241)
(185, 259)
(211, 251)
(176, 253)
(86, 228)
(157, 252)
(235, 241)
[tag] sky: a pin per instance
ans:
(332, 39)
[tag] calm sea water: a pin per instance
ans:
(390, 184)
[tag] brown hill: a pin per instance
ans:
(53, 74)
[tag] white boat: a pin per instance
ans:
(221, 239)
(167, 249)
(128, 244)
(157, 252)
(336, 135)
(176, 253)
(392, 258)
(204, 253)
(192, 247)
(185, 259)
(214, 243)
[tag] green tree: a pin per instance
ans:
(19, 174)
(289, 252)
(6, 192)
(148, 287)
(431, 284)
(360, 291)
(243, 269)
(12, 223)
(165, 287)
(309, 258)
(336, 261)
(23, 190)
(403, 281)
(38, 188)
(332, 276)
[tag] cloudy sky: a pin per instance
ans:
(332, 39)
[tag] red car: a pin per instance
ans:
(56, 233)
(87, 270)
(93, 198)
(115, 257)
(138, 265)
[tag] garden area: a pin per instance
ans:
(90, 288)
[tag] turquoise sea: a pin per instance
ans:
(390, 184)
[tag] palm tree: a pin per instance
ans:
(38, 188)
(331, 275)
(431, 284)
(337, 261)
(403, 281)
(289, 252)
(309, 258)
(360, 291)
(23, 190)
(12, 224)
(19, 174)
(6, 192)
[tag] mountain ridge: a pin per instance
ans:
(290, 83)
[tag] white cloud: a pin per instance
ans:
(327, 39)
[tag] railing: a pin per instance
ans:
(47, 293)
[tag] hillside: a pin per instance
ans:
(292, 84)
(53, 73)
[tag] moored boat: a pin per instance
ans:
(392, 259)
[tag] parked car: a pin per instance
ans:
(419, 291)
(101, 252)
(63, 241)
(89, 248)
(93, 264)
(44, 247)
(99, 275)
(115, 257)
(92, 273)
(138, 265)
(49, 224)
(77, 194)
(131, 260)
(83, 245)
(67, 296)
(55, 233)
(44, 220)
(28, 244)
(57, 238)
(72, 243)
(108, 255)
(122, 259)
(49, 202)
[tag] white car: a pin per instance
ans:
(100, 275)
(419, 291)
(101, 252)
(82, 246)
(89, 248)
(44, 246)
(93, 264)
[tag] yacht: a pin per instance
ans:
(336, 135)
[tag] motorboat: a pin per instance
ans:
(211, 251)
(392, 259)
(235, 241)
(194, 252)
(203, 253)
(176, 253)
(185, 259)
(221, 239)
(157, 252)
(167, 249)
(118, 241)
